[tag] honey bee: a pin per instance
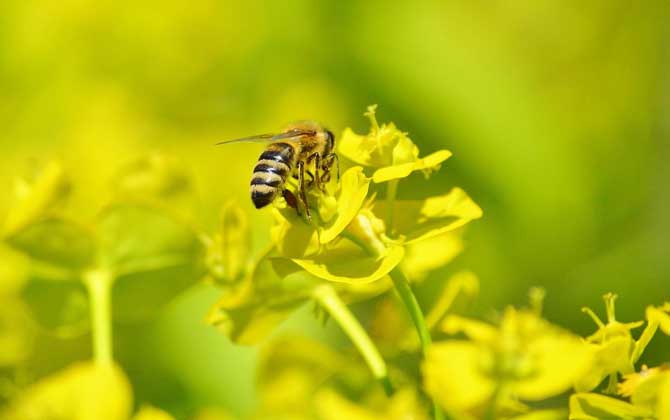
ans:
(301, 147)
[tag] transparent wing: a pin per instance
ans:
(291, 135)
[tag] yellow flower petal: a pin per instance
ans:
(151, 413)
(83, 391)
(598, 407)
(427, 164)
(384, 145)
(422, 257)
(352, 266)
(423, 219)
(558, 358)
(454, 374)
(353, 190)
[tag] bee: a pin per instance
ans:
(302, 147)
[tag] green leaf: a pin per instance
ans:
(56, 241)
(419, 220)
(600, 407)
(136, 238)
(16, 332)
(352, 265)
(83, 391)
(59, 307)
(152, 413)
(152, 256)
(249, 312)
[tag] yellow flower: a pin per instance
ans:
(388, 150)
(524, 357)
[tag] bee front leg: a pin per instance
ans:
(328, 162)
(317, 167)
(301, 188)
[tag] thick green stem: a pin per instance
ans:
(409, 300)
(326, 296)
(99, 285)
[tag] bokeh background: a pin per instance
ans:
(558, 115)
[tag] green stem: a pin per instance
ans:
(99, 286)
(326, 296)
(391, 193)
(409, 300)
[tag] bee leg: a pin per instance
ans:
(311, 176)
(291, 200)
(317, 167)
(328, 162)
(301, 188)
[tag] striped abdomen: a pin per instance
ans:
(270, 173)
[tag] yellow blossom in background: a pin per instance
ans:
(523, 358)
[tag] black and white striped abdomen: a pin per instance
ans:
(270, 173)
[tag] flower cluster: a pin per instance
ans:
(355, 241)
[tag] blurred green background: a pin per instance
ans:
(558, 114)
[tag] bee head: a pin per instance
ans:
(331, 140)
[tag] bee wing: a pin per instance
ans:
(292, 135)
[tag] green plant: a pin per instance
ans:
(65, 276)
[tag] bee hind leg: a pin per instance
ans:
(301, 188)
(291, 200)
